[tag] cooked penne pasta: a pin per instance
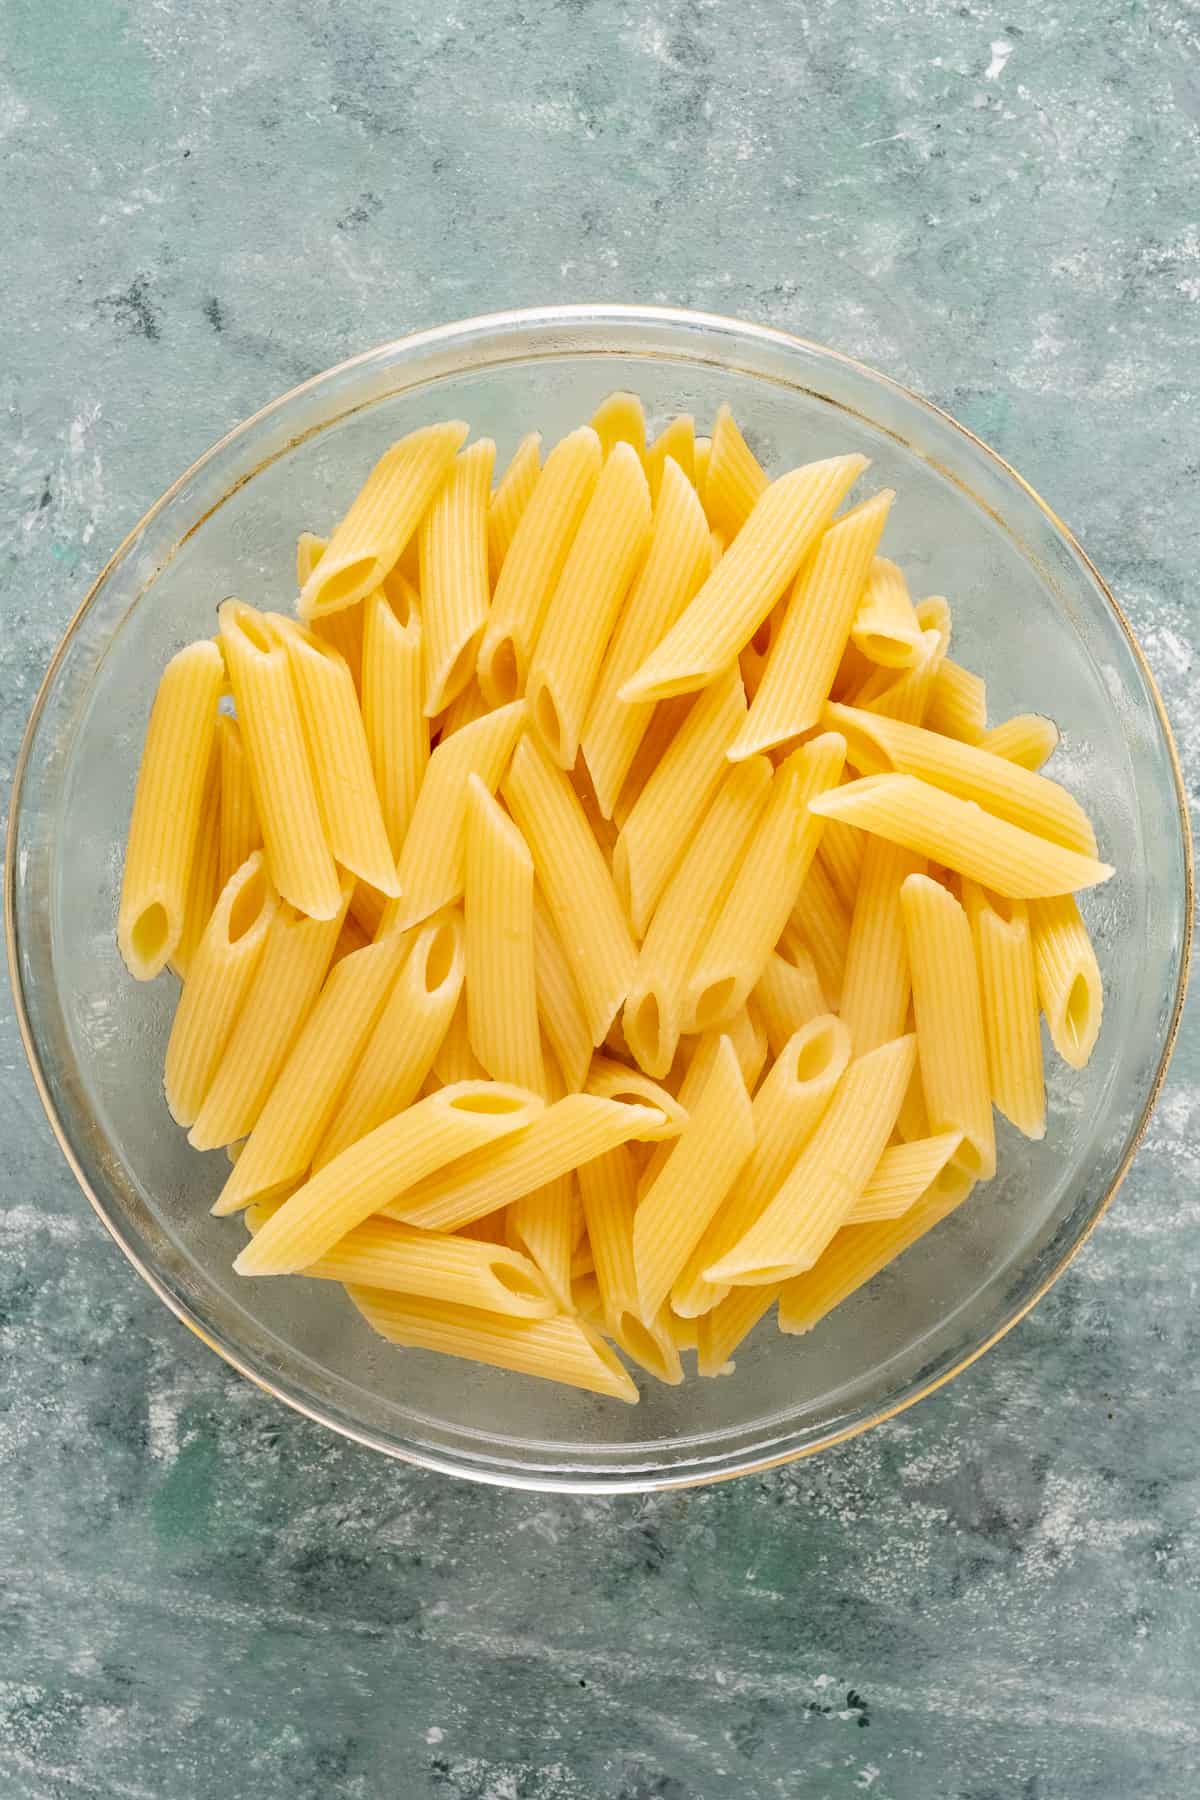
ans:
(620, 419)
(469, 706)
(559, 1006)
(545, 1225)
(204, 877)
(876, 986)
(721, 1330)
(1068, 977)
(886, 629)
(502, 1010)
(676, 441)
(465, 1271)
(1012, 1027)
(309, 550)
(609, 1187)
(511, 498)
(949, 1016)
(167, 807)
(788, 994)
(455, 584)
(703, 455)
(734, 479)
(957, 703)
(240, 833)
(454, 1059)
(820, 924)
(392, 704)
(616, 1081)
(903, 1173)
(1028, 740)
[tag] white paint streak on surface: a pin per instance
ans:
(1001, 51)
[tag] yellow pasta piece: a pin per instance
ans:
(876, 987)
(561, 1349)
(957, 703)
(1068, 978)
(828, 1176)
(381, 520)
(367, 907)
(576, 882)
(617, 1081)
(654, 1014)
(342, 630)
(675, 798)
(962, 836)
(742, 589)
(765, 888)
(455, 585)
(285, 794)
(240, 831)
(502, 1012)
(610, 544)
(841, 851)
(858, 1252)
(204, 877)
(949, 1015)
(903, 1173)
(876, 746)
(703, 456)
(1012, 1026)
(540, 544)
(676, 563)
(676, 441)
(392, 706)
(720, 1331)
(1028, 740)
(167, 806)
(222, 969)
(886, 628)
(381, 1254)
(665, 722)
(455, 1060)
(469, 706)
(352, 937)
(340, 758)
(302, 1102)
(819, 924)
(784, 1113)
(608, 1185)
(544, 1225)
(620, 419)
(805, 656)
(905, 694)
(734, 479)
(432, 865)
(559, 1139)
(388, 1161)
(309, 550)
(706, 1160)
(404, 1039)
(510, 499)
(559, 1006)
(788, 993)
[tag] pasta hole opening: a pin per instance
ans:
(765, 1273)
(951, 1183)
(641, 1344)
(347, 582)
(965, 1161)
(505, 675)
(480, 1101)
(760, 643)
(1003, 908)
(459, 673)
(151, 933)
(247, 905)
(255, 630)
(715, 1002)
(644, 1032)
(891, 649)
(863, 752)
(1077, 1012)
(439, 958)
(522, 1283)
(549, 725)
(399, 597)
(814, 1056)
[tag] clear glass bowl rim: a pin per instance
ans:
(439, 340)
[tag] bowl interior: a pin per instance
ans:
(1028, 614)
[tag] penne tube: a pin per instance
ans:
(734, 480)
(575, 880)
(721, 1330)
(353, 936)
(949, 1016)
(167, 806)
(903, 1173)
(309, 550)
(1068, 978)
(222, 970)
(620, 419)
(510, 499)
(666, 719)
(703, 455)
(1028, 740)
(609, 546)
(561, 1349)
(367, 907)
(392, 704)
(1012, 1026)
(540, 544)
(905, 694)
(749, 1039)
(886, 629)
(501, 985)
(819, 923)
(240, 833)
(204, 877)
(469, 706)
(559, 1006)
(877, 986)
(544, 1225)
(343, 630)
(957, 703)
(616, 1081)
(804, 658)
(381, 520)
(455, 1060)
(961, 836)
(609, 1187)
(455, 584)
(465, 1271)
(675, 442)
(788, 994)
(755, 569)
(841, 851)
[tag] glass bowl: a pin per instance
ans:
(1030, 612)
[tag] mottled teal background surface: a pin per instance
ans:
(996, 1597)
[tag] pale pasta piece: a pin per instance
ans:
(1012, 1026)
(388, 1161)
(784, 1113)
(721, 1330)
(309, 550)
(957, 703)
(544, 1225)
(886, 628)
(827, 1177)
(707, 1158)
(876, 746)
(962, 836)
(560, 1349)
(381, 520)
(677, 442)
(341, 760)
(820, 924)
(167, 806)
(465, 1271)
(620, 419)
(742, 589)
(654, 1016)
(903, 1173)
(912, 1121)
(703, 455)
(289, 975)
(748, 1036)
(765, 888)
(510, 499)
(858, 1252)
(675, 798)
(1028, 740)
(455, 585)
(392, 704)
(454, 1059)
(575, 879)
(788, 994)
(222, 970)
(805, 656)
(949, 1015)
(876, 987)
(240, 833)
(841, 850)
(302, 1102)
(734, 479)
(676, 563)
(617, 1081)
(204, 877)
(540, 543)
(298, 855)
(559, 1139)
(342, 630)
(610, 544)
(501, 990)
(1068, 978)
(559, 1006)
(432, 867)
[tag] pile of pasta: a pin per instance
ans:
(604, 911)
